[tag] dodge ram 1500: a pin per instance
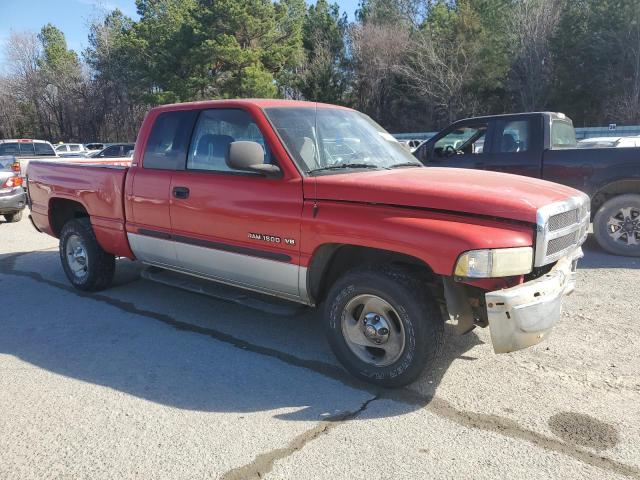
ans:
(317, 204)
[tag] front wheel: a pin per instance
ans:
(87, 266)
(13, 217)
(383, 326)
(616, 225)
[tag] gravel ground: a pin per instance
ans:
(145, 381)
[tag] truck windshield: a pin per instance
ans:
(323, 140)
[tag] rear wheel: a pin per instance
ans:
(617, 225)
(13, 217)
(87, 266)
(383, 326)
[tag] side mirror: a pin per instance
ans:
(245, 155)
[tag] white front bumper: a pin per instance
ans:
(524, 315)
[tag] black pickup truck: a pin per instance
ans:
(543, 145)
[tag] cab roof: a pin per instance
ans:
(553, 115)
(255, 102)
(22, 140)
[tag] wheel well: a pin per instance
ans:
(62, 210)
(331, 261)
(613, 189)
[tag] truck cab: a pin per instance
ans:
(543, 145)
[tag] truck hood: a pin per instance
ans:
(449, 189)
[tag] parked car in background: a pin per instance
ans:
(70, 150)
(317, 204)
(115, 150)
(26, 149)
(13, 197)
(610, 142)
(95, 147)
(411, 145)
(543, 145)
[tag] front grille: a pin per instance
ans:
(563, 220)
(561, 243)
(562, 227)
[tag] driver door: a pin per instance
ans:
(460, 146)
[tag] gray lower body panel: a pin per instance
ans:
(281, 279)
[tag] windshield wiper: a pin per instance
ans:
(345, 165)
(406, 164)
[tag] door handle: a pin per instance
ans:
(181, 192)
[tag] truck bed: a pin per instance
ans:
(83, 190)
(591, 169)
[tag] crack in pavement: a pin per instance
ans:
(435, 405)
(263, 463)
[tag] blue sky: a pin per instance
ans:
(73, 17)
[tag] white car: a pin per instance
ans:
(610, 142)
(71, 150)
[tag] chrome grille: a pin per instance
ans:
(563, 220)
(561, 228)
(561, 243)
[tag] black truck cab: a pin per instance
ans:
(543, 145)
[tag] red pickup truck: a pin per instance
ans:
(317, 204)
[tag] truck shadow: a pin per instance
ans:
(209, 365)
(595, 257)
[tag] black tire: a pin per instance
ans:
(100, 265)
(422, 323)
(612, 210)
(13, 217)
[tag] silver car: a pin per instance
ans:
(13, 198)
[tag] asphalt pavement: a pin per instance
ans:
(146, 381)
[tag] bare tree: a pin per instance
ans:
(376, 50)
(22, 51)
(532, 24)
(439, 70)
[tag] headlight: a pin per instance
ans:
(503, 262)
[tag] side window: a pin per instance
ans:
(74, 148)
(169, 140)
(44, 150)
(9, 149)
(513, 137)
(461, 141)
(127, 150)
(214, 132)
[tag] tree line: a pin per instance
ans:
(413, 65)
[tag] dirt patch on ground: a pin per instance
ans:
(584, 430)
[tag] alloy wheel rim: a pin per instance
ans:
(77, 257)
(373, 330)
(624, 226)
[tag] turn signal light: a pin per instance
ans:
(12, 182)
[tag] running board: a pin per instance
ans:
(220, 291)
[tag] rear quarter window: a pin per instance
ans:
(563, 135)
(168, 142)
